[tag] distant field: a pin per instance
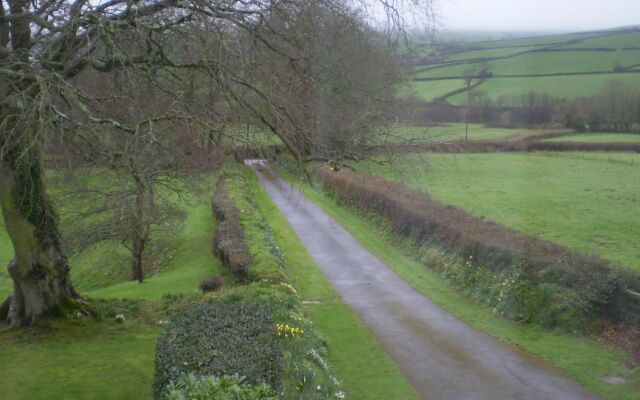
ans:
(561, 57)
(545, 40)
(429, 90)
(457, 132)
(582, 201)
(537, 63)
(599, 137)
(498, 52)
(562, 86)
(620, 41)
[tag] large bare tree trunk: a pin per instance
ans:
(40, 271)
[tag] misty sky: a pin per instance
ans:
(526, 15)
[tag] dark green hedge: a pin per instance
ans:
(220, 339)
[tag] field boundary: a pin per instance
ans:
(415, 215)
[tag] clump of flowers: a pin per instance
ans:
(288, 331)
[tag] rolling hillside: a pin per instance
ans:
(570, 65)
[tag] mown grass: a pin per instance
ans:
(94, 360)
(456, 131)
(562, 86)
(89, 359)
(587, 204)
(584, 359)
(599, 137)
(365, 369)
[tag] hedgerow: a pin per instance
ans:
(522, 277)
(306, 374)
(228, 240)
(217, 338)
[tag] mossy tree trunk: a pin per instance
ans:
(40, 271)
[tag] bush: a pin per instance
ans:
(212, 283)
(220, 339)
(229, 387)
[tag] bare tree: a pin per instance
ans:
(45, 45)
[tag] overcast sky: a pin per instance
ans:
(535, 15)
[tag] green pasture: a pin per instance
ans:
(429, 90)
(456, 131)
(562, 86)
(590, 205)
(599, 137)
(619, 41)
(538, 63)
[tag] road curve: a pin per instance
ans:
(440, 356)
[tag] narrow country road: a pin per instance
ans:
(440, 356)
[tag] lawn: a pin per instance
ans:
(456, 131)
(599, 137)
(591, 205)
(365, 369)
(585, 360)
(88, 359)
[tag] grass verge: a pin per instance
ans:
(357, 358)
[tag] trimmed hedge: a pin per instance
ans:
(591, 287)
(228, 240)
(220, 339)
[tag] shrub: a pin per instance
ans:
(212, 283)
(220, 339)
(228, 387)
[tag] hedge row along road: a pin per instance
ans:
(440, 356)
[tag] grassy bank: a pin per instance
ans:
(365, 369)
(583, 359)
(587, 204)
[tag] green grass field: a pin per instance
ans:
(561, 86)
(591, 205)
(429, 90)
(546, 63)
(497, 52)
(456, 131)
(536, 63)
(599, 137)
(619, 41)
(585, 360)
